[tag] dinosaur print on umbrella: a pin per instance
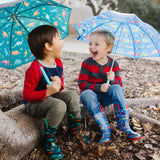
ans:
(18, 19)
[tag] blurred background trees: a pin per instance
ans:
(146, 10)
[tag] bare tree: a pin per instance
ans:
(97, 6)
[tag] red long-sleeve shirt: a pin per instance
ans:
(35, 83)
(92, 74)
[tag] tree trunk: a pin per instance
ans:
(9, 99)
(19, 133)
(143, 117)
(139, 102)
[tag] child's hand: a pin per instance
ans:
(56, 80)
(105, 87)
(110, 75)
(54, 87)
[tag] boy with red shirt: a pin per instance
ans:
(96, 93)
(50, 101)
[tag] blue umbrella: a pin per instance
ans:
(18, 19)
(133, 37)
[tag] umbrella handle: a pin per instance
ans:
(45, 75)
(108, 81)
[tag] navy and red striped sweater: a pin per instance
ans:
(92, 74)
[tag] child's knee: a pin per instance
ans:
(58, 109)
(116, 88)
(87, 94)
(61, 108)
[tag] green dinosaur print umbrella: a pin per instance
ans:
(18, 19)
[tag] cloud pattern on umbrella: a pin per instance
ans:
(133, 37)
(17, 20)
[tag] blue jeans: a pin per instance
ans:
(92, 101)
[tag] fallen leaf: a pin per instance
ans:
(93, 135)
(156, 155)
(111, 148)
(147, 126)
(148, 146)
(127, 155)
(101, 150)
(84, 145)
(135, 121)
(141, 155)
(90, 154)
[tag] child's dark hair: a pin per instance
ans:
(38, 37)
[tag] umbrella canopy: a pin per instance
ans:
(17, 20)
(133, 37)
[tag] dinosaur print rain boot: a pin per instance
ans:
(104, 126)
(75, 128)
(122, 116)
(51, 148)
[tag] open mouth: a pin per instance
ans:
(94, 54)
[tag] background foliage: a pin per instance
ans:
(147, 10)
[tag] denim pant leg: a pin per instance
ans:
(90, 100)
(115, 95)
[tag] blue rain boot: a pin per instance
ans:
(75, 128)
(103, 123)
(123, 123)
(53, 151)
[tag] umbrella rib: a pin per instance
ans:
(80, 37)
(5, 23)
(31, 8)
(117, 43)
(10, 44)
(120, 34)
(40, 6)
(17, 7)
(133, 39)
(7, 17)
(150, 39)
(117, 28)
(38, 20)
(11, 12)
(8, 12)
(22, 24)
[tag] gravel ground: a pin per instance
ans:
(140, 77)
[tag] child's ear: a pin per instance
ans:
(47, 46)
(109, 48)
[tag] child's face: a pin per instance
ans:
(57, 45)
(98, 47)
